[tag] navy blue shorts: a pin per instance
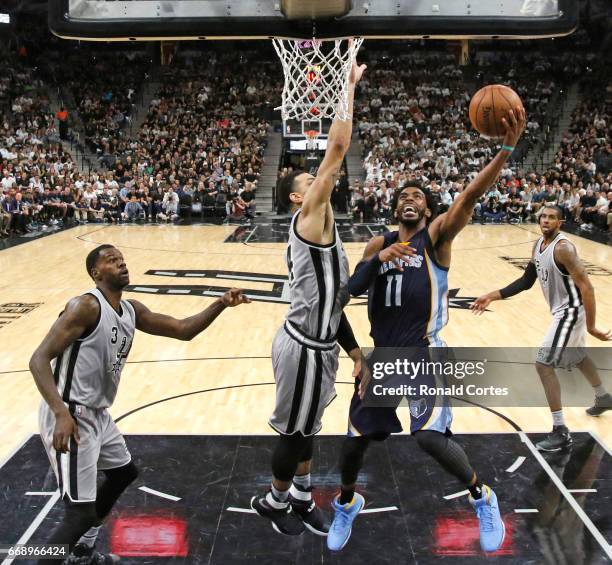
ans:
(426, 413)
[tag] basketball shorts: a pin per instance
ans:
(565, 340)
(305, 375)
(427, 412)
(101, 447)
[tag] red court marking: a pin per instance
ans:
(141, 535)
(458, 534)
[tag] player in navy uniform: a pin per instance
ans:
(405, 273)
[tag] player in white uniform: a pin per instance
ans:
(571, 299)
(77, 369)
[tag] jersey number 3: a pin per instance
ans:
(393, 297)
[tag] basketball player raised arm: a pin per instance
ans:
(81, 316)
(444, 228)
(316, 221)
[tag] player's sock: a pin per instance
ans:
(277, 498)
(300, 487)
(346, 495)
(558, 419)
(476, 488)
(599, 390)
(90, 536)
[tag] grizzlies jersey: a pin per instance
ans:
(558, 287)
(88, 371)
(409, 308)
(318, 278)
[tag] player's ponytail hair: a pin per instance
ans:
(284, 189)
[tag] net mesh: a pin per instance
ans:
(316, 77)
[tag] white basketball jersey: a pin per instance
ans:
(88, 371)
(558, 287)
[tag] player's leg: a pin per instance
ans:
(603, 399)
(119, 471)
(300, 494)
(276, 504)
(548, 356)
(366, 424)
(76, 472)
(301, 373)
(430, 420)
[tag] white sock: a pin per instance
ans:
(558, 419)
(277, 498)
(300, 488)
(599, 391)
(90, 536)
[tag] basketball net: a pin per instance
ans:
(316, 77)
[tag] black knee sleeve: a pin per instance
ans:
(117, 480)
(307, 453)
(446, 452)
(351, 458)
(289, 452)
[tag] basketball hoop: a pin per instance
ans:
(316, 77)
(311, 139)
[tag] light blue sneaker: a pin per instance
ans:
(344, 514)
(492, 529)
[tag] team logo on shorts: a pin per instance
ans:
(278, 293)
(418, 407)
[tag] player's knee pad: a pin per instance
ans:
(288, 453)
(122, 476)
(79, 516)
(351, 458)
(307, 453)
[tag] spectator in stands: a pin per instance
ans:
(133, 210)
(169, 205)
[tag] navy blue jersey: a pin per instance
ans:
(409, 308)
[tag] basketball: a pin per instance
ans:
(489, 105)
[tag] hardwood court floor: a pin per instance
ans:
(231, 360)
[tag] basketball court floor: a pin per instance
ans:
(195, 413)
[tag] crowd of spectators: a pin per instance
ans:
(199, 150)
(413, 125)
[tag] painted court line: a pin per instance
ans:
(456, 495)
(519, 461)
(601, 540)
(35, 523)
(581, 490)
(159, 493)
(383, 509)
(37, 493)
(366, 511)
(526, 510)
(145, 289)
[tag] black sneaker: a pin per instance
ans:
(557, 440)
(284, 520)
(602, 403)
(85, 555)
(311, 515)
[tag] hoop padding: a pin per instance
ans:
(316, 77)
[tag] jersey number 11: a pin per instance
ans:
(390, 295)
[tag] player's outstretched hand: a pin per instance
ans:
(65, 428)
(480, 304)
(603, 335)
(514, 126)
(234, 297)
(396, 253)
(356, 70)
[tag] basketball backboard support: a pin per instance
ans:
(133, 20)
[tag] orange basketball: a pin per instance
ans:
(489, 105)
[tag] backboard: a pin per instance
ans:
(123, 20)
